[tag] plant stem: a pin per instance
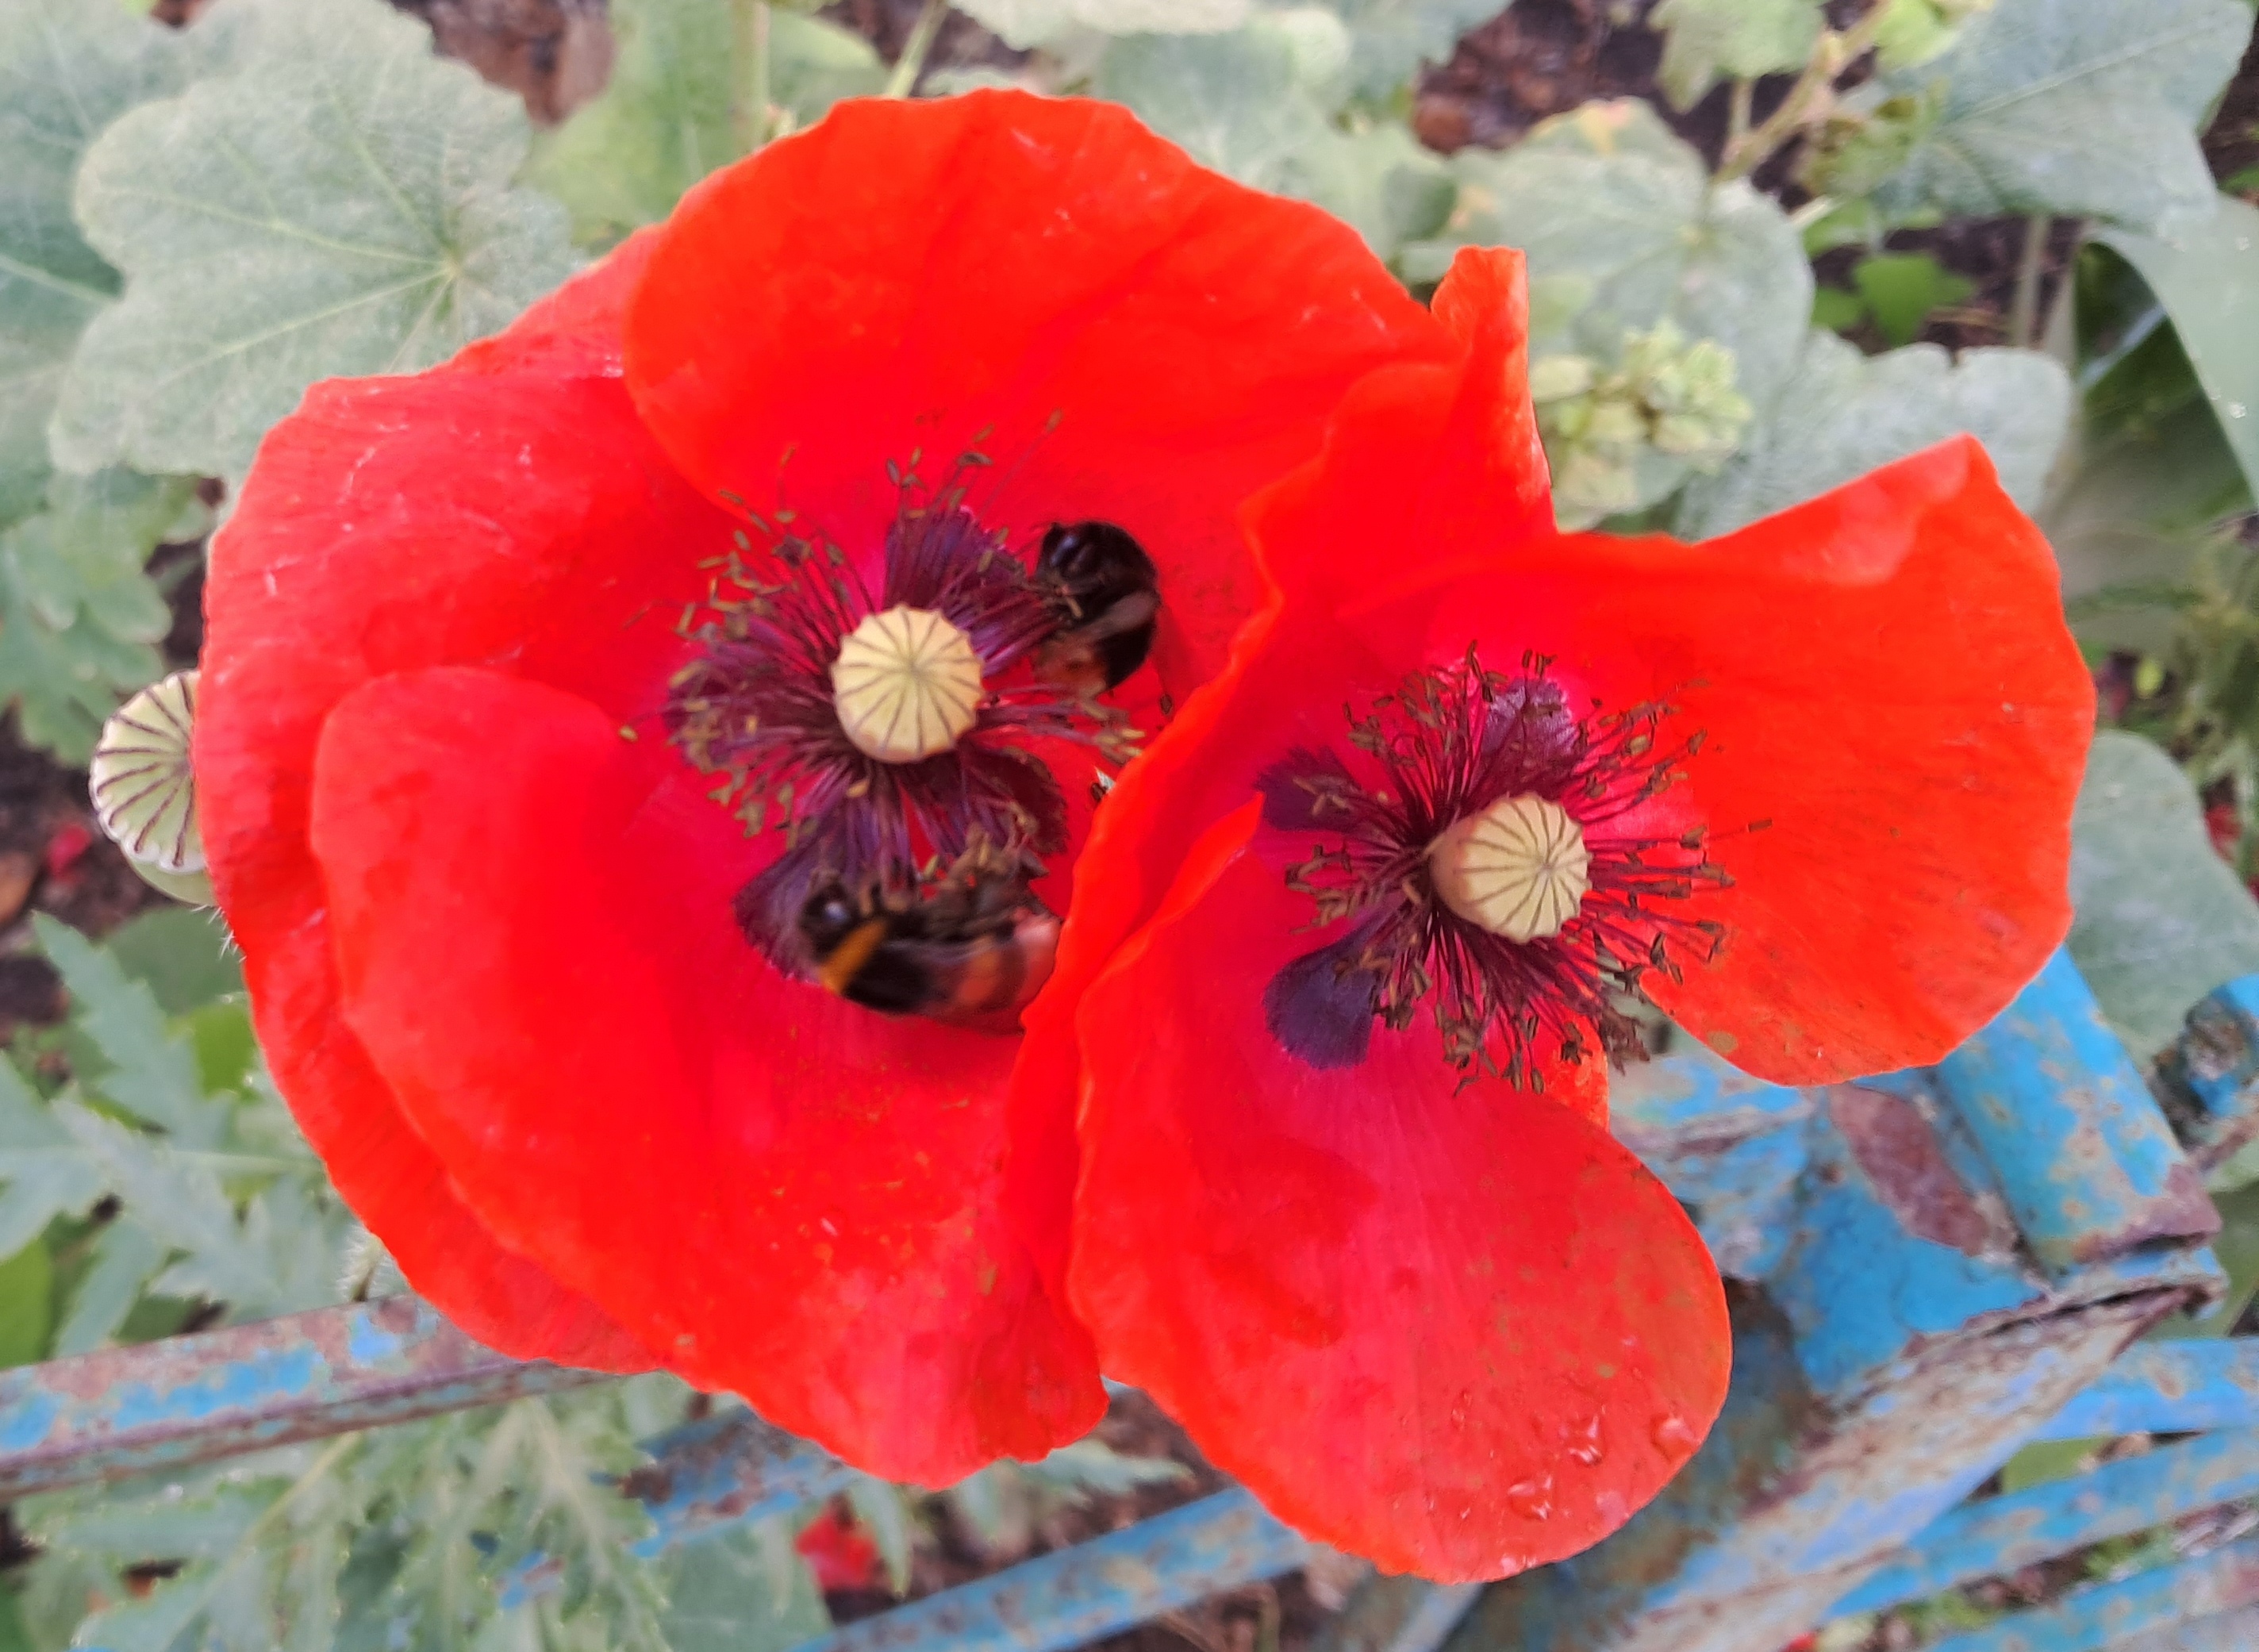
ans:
(1737, 112)
(912, 63)
(749, 50)
(2024, 308)
(1834, 53)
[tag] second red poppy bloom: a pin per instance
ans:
(1358, 932)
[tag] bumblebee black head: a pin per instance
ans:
(1112, 589)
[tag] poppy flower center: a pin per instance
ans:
(1518, 868)
(1487, 857)
(883, 713)
(907, 683)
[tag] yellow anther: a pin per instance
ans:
(1518, 868)
(907, 684)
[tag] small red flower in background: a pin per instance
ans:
(529, 785)
(1355, 931)
(839, 1552)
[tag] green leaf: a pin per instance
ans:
(127, 1259)
(1844, 413)
(664, 122)
(1900, 289)
(1606, 202)
(2205, 270)
(27, 1304)
(78, 616)
(1234, 102)
(1389, 40)
(144, 1068)
(721, 1597)
(340, 204)
(2160, 919)
(1837, 310)
(1379, 180)
(184, 957)
(2070, 106)
(1021, 24)
(46, 1175)
(1746, 38)
(67, 68)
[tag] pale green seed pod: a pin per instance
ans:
(145, 790)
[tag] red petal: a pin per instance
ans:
(1896, 721)
(789, 1196)
(1435, 411)
(1460, 1332)
(389, 523)
(1884, 675)
(927, 275)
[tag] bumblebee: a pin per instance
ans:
(1112, 594)
(970, 953)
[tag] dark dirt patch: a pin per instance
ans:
(2231, 143)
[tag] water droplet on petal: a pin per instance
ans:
(1532, 1499)
(1510, 1562)
(1581, 1440)
(1674, 1436)
(2236, 410)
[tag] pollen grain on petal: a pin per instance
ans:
(907, 685)
(1519, 868)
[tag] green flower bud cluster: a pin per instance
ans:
(1618, 439)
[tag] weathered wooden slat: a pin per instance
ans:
(2001, 1533)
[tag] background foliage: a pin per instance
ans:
(1791, 241)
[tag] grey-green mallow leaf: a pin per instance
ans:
(78, 618)
(2159, 919)
(2069, 106)
(67, 68)
(1842, 414)
(1624, 230)
(1026, 23)
(2203, 268)
(339, 203)
(1389, 40)
(1377, 179)
(1707, 38)
(664, 122)
(1239, 102)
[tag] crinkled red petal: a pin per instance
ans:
(782, 1193)
(381, 529)
(1895, 720)
(547, 538)
(1459, 1331)
(1129, 337)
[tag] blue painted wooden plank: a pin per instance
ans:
(2089, 1165)
(2000, 1534)
(1108, 1583)
(2093, 1619)
(190, 1399)
(724, 1469)
(2167, 1388)
(2208, 1081)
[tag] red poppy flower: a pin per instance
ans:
(733, 627)
(1348, 1207)
(839, 1552)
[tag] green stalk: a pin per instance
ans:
(1834, 53)
(911, 64)
(749, 53)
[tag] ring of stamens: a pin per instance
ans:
(907, 683)
(1519, 868)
